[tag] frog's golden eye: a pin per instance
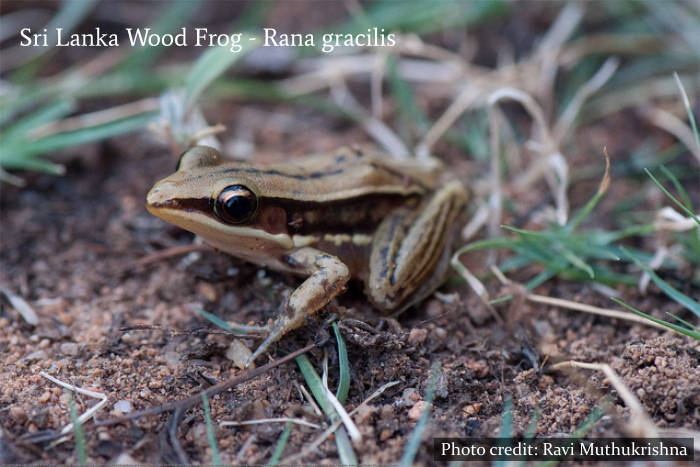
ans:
(235, 204)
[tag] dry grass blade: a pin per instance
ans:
(565, 123)
(571, 305)
(298, 421)
(21, 306)
(465, 100)
(551, 163)
(90, 412)
(381, 133)
(100, 117)
(171, 252)
(675, 126)
(344, 417)
(669, 219)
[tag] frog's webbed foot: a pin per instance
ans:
(327, 278)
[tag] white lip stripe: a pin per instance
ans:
(202, 224)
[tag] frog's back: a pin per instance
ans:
(342, 174)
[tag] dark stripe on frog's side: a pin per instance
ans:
(358, 215)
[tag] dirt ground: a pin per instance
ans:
(71, 247)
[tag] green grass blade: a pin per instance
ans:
(414, 440)
(532, 426)
(345, 452)
(10, 160)
(44, 115)
(578, 262)
(424, 17)
(583, 214)
(209, 66)
(18, 152)
(405, 99)
(281, 444)
(215, 320)
(344, 367)
(688, 332)
(69, 15)
(688, 108)
(171, 16)
(78, 428)
(540, 279)
(669, 290)
(315, 384)
(682, 321)
(591, 420)
(215, 459)
(506, 430)
(672, 198)
(677, 185)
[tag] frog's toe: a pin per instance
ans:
(275, 332)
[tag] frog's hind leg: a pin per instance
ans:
(411, 249)
(327, 278)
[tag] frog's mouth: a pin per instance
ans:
(196, 215)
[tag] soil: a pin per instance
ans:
(71, 248)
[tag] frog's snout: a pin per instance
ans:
(155, 199)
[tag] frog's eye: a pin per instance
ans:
(235, 204)
(197, 156)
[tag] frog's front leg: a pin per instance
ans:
(411, 250)
(327, 278)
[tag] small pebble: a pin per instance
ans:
(45, 397)
(417, 336)
(38, 355)
(155, 384)
(65, 318)
(18, 414)
(434, 308)
(239, 354)
(207, 291)
(440, 333)
(70, 348)
(471, 409)
(125, 459)
(417, 410)
(123, 406)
